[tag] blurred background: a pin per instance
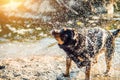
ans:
(25, 20)
(27, 50)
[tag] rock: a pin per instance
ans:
(16, 74)
(25, 79)
(37, 74)
(2, 67)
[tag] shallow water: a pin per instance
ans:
(24, 48)
(36, 47)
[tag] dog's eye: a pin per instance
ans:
(64, 37)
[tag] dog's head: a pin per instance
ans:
(64, 35)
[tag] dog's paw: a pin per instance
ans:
(62, 77)
(66, 75)
(87, 79)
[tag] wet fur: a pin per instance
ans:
(84, 48)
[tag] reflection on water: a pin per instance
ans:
(24, 48)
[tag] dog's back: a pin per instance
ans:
(96, 40)
(101, 40)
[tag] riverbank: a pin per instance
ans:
(40, 61)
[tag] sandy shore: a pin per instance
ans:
(49, 64)
(46, 68)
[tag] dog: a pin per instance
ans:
(83, 47)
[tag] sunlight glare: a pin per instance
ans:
(12, 5)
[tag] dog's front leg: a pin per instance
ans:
(68, 65)
(87, 72)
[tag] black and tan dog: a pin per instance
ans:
(84, 48)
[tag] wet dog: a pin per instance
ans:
(84, 48)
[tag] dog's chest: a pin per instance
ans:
(77, 53)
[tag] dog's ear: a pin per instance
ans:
(75, 34)
(73, 29)
(64, 28)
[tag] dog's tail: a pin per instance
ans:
(115, 33)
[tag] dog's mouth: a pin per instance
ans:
(56, 34)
